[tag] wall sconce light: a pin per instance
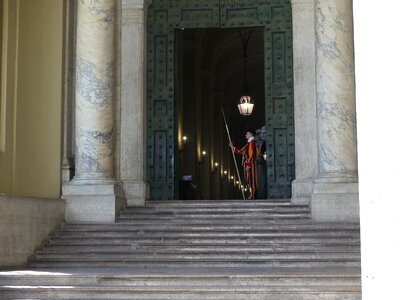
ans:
(183, 143)
(203, 155)
(225, 172)
(232, 178)
(215, 167)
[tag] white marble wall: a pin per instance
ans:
(95, 78)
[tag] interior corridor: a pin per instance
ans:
(211, 76)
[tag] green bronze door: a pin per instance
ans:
(165, 17)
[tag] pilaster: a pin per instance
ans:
(68, 162)
(304, 100)
(133, 100)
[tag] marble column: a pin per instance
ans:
(133, 100)
(335, 195)
(305, 105)
(94, 194)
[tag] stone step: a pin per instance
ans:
(211, 222)
(215, 210)
(186, 293)
(184, 252)
(218, 210)
(200, 256)
(201, 248)
(210, 230)
(207, 227)
(199, 241)
(231, 215)
(204, 232)
(215, 213)
(184, 277)
(154, 263)
(248, 234)
(219, 203)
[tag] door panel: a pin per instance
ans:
(279, 101)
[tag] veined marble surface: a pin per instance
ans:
(95, 78)
(336, 109)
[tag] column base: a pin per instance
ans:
(335, 202)
(302, 190)
(85, 203)
(136, 192)
(66, 173)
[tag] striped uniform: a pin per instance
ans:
(249, 152)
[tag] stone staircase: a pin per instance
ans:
(196, 250)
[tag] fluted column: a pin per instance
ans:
(335, 196)
(94, 194)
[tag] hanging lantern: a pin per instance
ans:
(246, 106)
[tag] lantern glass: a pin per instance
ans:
(246, 106)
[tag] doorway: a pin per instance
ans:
(211, 77)
(205, 22)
